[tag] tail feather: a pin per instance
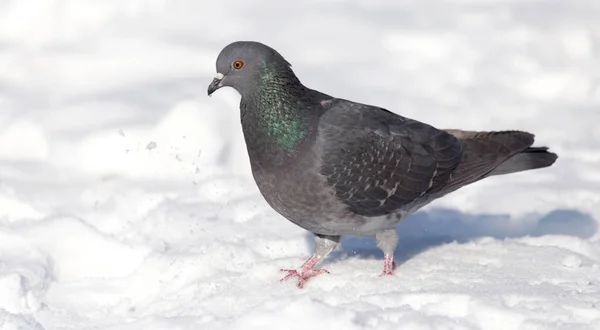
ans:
(495, 153)
(529, 159)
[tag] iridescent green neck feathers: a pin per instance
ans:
(280, 111)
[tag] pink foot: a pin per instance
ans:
(305, 272)
(303, 276)
(388, 265)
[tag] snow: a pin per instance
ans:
(126, 199)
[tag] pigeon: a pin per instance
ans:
(340, 168)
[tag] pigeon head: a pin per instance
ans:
(244, 64)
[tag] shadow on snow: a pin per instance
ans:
(427, 229)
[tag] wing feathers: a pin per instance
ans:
(379, 162)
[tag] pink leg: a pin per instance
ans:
(306, 271)
(323, 246)
(388, 265)
(387, 241)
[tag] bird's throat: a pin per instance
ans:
(276, 124)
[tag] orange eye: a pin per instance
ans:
(237, 65)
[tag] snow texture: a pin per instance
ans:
(126, 200)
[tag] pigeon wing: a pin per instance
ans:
(379, 162)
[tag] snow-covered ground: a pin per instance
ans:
(126, 200)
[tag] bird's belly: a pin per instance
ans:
(304, 199)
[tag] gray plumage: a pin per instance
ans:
(336, 167)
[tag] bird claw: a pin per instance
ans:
(302, 276)
(388, 270)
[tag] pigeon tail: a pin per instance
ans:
(530, 159)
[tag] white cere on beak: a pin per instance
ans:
(219, 76)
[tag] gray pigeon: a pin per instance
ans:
(336, 167)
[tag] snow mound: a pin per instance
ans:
(23, 140)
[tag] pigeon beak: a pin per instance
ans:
(215, 84)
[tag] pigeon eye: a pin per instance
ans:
(237, 65)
